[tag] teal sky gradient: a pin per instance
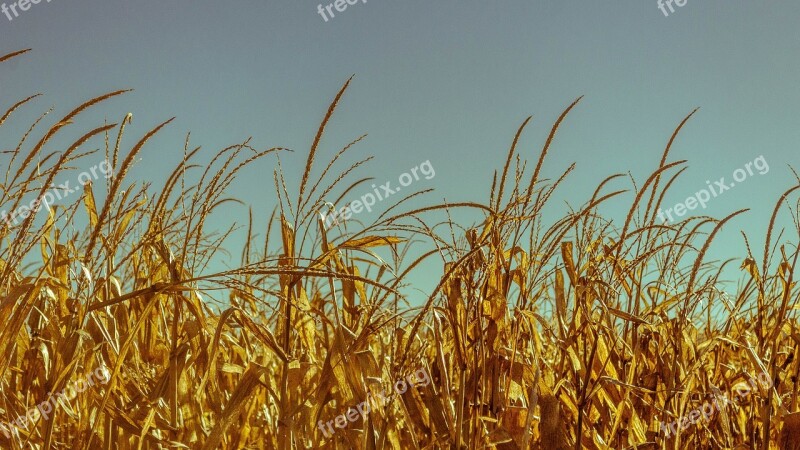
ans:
(446, 81)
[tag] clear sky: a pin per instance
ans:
(446, 81)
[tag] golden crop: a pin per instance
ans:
(578, 334)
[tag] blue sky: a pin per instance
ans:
(444, 81)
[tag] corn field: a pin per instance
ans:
(574, 333)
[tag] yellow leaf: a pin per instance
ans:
(88, 201)
(372, 241)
